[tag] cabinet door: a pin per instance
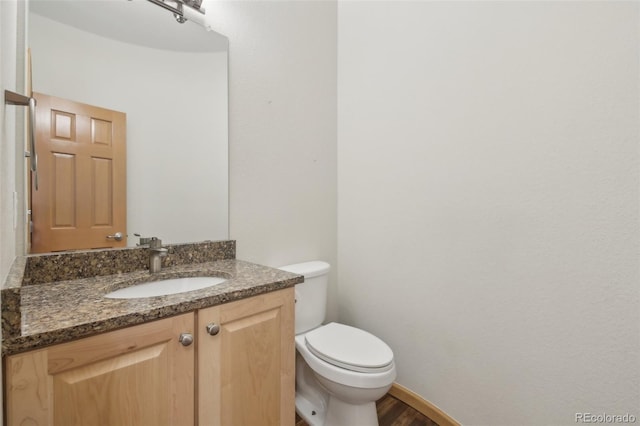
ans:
(246, 369)
(139, 376)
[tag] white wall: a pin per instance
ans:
(282, 109)
(12, 27)
(7, 136)
(176, 106)
(12, 131)
(7, 244)
(488, 202)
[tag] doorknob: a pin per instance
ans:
(117, 236)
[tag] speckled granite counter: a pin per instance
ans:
(61, 311)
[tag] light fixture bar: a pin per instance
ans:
(178, 9)
(185, 10)
(166, 6)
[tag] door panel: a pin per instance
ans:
(63, 176)
(82, 169)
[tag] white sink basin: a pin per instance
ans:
(165, 287)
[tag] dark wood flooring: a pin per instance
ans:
(393, 412)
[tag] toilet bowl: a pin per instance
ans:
(340, 370)
(352, 374)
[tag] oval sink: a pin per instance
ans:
(165, 287)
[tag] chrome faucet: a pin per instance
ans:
(156, 253)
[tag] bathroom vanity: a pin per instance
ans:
(222, 355)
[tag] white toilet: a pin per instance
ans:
(340, 370)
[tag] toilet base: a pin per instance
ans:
(340, 413)
(312, 414)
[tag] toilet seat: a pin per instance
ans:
(349, 348)
(342, 375)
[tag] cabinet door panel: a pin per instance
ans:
(27, 389)
(251, 370)
(251, 380)
(135, 376)
(117, 389)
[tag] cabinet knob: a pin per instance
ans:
(213, 328)
(186, 339)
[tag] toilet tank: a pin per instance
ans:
(311, 295)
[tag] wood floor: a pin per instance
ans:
(392, 412)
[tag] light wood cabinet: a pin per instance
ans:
(142, 375)
(139, 375)
(247, 368)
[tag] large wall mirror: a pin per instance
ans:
(170, 80)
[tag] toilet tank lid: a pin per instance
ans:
(308, 269)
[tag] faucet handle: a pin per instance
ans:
(155, 243)
(144, 241)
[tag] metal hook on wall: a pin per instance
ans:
(12, 98)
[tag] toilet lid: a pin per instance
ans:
(350, 348)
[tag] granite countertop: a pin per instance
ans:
(61, 311)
